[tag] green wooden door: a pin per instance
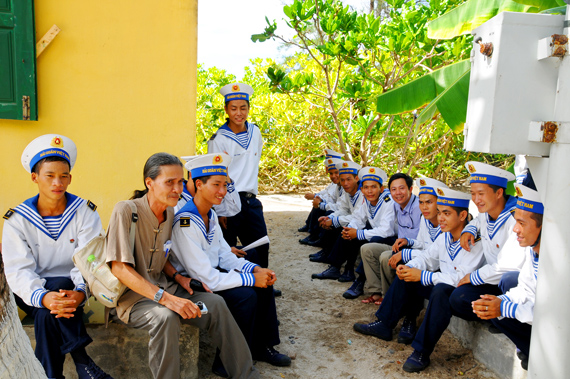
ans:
(18, 99)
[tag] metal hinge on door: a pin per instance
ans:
(25, 107)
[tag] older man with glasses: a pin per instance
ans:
(375, 256)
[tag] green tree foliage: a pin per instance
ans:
(325, 95)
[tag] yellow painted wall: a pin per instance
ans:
(120, 81)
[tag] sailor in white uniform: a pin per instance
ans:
(374, 219)
(40, 237)
(200, 251)
(432, 275)
(494, 224)
(349, 203)
(324, 203)
(242, 141)
(512, 313)
(230, 206)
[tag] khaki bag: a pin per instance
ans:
(105, 286)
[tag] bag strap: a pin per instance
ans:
(132, 234)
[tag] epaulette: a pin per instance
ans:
(184, 222)
(213, 136)
(387, 198)
(9, 213)
(91, 205)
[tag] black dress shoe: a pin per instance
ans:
(277, 292)
(306, 240)
(218, 367)
(321, 258)
(304, 228)
(273, 357)
(317, 254)
(315, 243)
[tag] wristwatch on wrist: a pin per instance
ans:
(174, 275)
(158, 295)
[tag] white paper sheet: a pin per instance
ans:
(259, 242)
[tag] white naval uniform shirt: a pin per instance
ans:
(347, 205)
(447, 256)
(31, 254)
(426, 236)
(230, 206)
(197, 252)
(518, 302)
(245, 150)
(381, 218)
(334, 193)
(500, 246)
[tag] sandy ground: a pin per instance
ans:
(316, 321)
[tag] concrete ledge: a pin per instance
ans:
(495, 351)
(123, 352)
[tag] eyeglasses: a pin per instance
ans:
(409, 215)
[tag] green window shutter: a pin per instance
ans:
(18, 95)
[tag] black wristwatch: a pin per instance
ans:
(174, 275)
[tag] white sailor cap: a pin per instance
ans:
(446, 196)
(330, 163)
(208, 164)
(528, 199)
(484, 173)
(332, 154)
(347, 167)
(427, 186)
(236, 91)
(49, 145)
(372, 173)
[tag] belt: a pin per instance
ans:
(247, 195)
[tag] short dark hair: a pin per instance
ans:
(203, 179)
(537, 217)
(458, 210)
(38, 166)
(401, 175)
(227, 102)
(495, 188)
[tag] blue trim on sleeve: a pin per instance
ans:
(247, 279)
(427, 278)
(323, 205)
(360, 235)
(470, 229)
(335, 222)
(83, 288)
(410, 242)
(476, 278)
(37, 297)
(248, 267)
(508, 308)
(406, 255)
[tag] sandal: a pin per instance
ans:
(372, 300)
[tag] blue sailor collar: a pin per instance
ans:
(534, 256)
(453, 248)
(243, 139)
(190, 210)
(185, 193)
(373, 209)
(494, 226)
(434, 231)
(29, 210)
(354, 198)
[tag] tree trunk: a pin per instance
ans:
(18, 359)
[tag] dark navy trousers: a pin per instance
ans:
(255, 313)
(312, 222)
(462, 297)
(56, 337)
(406, 299)
(517, 332)
(249, 226)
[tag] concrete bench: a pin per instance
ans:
(495, 351)
(122, 351)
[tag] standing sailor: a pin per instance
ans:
(40, 237)
(242, 141)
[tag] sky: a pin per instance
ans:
(225, 28)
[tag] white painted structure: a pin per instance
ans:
(518, 98)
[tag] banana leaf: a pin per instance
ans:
(421, 91)
(542, 5)
(468, 16)
(451, 103)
